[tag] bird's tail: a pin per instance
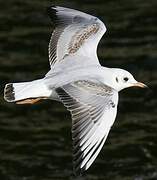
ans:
(26, 92)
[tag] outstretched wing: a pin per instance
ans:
(93, 108)
(74, 33)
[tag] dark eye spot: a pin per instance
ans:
(125, 79)
(116, 79)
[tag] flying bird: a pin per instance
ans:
(76, 78)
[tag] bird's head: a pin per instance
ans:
(123, 79)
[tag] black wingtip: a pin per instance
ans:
(77, 159)
(78, 172)
(51, 10)
(9, 94)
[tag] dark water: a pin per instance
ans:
(35, 141)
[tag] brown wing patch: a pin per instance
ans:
(96, 88)
(79, 38)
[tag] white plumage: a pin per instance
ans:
(76, 78)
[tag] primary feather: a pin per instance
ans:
(93, 113)
(73, 34)
(76, 78)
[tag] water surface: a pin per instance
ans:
(35, 141)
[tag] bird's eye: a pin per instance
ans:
(125, 79)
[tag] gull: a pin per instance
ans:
(76, 78)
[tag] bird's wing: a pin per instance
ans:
(93, 108)
(75, 33)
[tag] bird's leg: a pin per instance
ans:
(29, 101)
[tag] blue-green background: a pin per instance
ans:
(35, 141)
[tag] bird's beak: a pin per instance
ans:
(139, 84)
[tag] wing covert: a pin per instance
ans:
(74, 33)
(93, 113)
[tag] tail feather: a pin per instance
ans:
(9, 93)
(14, 92)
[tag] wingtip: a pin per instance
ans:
(77, 162)
(51, 10)
(51, 7)
(52, 13)
(77, 171)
